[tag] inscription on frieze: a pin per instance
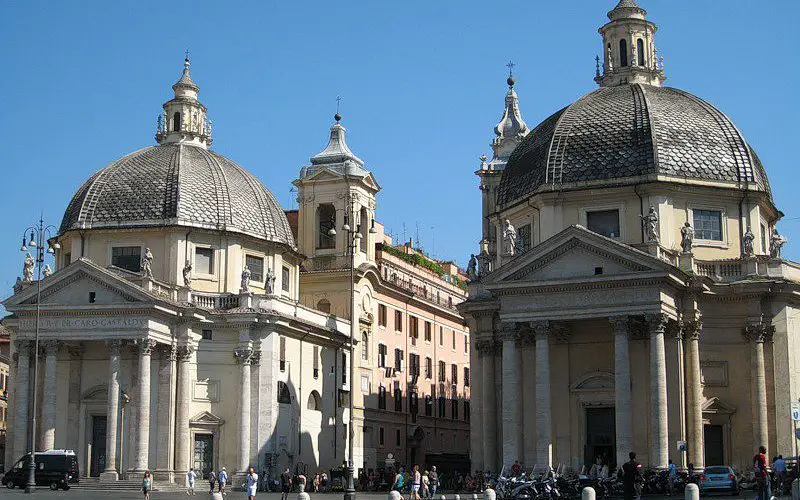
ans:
(84, 323)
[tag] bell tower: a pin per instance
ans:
(629, 49)
(335, 193)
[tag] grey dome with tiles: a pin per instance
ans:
(629, 134)
(178, 185)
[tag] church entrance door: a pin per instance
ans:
(712, 442)
(98, 445)
(203, 454)
(600, 436)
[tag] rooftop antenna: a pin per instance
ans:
(404, 234)
(419, 241)
(433, 241)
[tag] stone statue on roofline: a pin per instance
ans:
(246, 279)
(27, 268)
(776, 243)
(47, 272)
(509, 239)
(472, 267)
(147, 264)
(650, 222)
(269, 282)
(687, 237)
(187, 274)
(747, 243)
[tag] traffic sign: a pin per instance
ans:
(796, 411)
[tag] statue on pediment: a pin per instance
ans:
(27, 268)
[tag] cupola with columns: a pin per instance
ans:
(184, 120)
(629, 49)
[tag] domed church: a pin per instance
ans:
(172, 329)
(631, 294)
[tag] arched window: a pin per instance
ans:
(284, 396)
(364, 347)
(314, 401)
(176, 122)
(324, 305)
(640, 52)
(326, 220)
(623, 53)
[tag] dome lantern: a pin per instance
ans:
(511, 129)
(629, 50)
(184, 120)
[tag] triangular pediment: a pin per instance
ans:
(715, 405)
(75, 284)
(206, 418)
(577, 253)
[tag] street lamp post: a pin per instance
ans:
(352, 240)
(39, 236)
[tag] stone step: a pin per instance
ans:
(122, 485)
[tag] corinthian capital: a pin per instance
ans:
(243, 355)
(51, 347)
(184, 352)
(508, 331)
(146, 346)
(656, 322)
(691, 328)
(114, 346)
(23, 347)
(759, 332)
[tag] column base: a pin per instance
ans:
(167, 476)
(134, 474)
(109, 476)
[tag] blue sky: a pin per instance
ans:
(422, 85)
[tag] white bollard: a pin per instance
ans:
(588, 493)
(489, 494)
(692, 492)
(395, 495)
(474, 496)
(442, 497)
(457, 497)
(796, 489)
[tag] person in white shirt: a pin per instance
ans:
(190, 477)
(779, 466)
(222, 480)
(251, 484)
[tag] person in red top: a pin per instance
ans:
(762, 475)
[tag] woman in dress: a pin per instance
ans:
(147, 485)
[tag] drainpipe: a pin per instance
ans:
(300, 402)
(539, 214)
(641, 210)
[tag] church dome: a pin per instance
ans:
(629, 133)
(176, 184)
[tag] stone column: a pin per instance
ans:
(49, 407)
(184, 355)
(142, 443)
(244, 356)
(511, 396)
(476, 405)
(622, 389)
(757, 334)
(167, 386)
(544, 435)
(74, 401)
(489, 410)
(694, 392)
(112, 411)
(659, 445)
(22, 397)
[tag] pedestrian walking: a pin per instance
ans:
(397, 485)
(251, 484)
(779, 466)
(147, 485)
(286, 484)
(212, 480)
(426, 485)
(416, 481)
(190, 477)
(762, 476)
(434, 480)
(631, 476)
(222, 480)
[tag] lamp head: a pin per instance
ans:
(57, 245)
(331, 232)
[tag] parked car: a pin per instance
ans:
(719, 479)
(54, 468)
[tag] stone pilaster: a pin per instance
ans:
(690, 330)
(22, 397)
(512, 435)
(167, 387)
(622, 389)
(544, 435)
(74, 400)
(142, 443)
(49, 397)
(757, 334)
(184, 356)
(244, 356)
(489, 411)
(476, 405)
(659, 445)
(112, 411)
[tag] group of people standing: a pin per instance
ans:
(419, 484)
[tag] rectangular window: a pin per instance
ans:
(466, 376)
(466, 343)
(454, 374)
(397, 438)
(413, 361)
(344, 368)
(381, 398)
(282, 354)
(398, 360)
(605, 222)
(316, 362)
(203, 260)
(454, 409)
(427, 331)
(398, 399)
(763, 239)
(382, 355)
(256, 267)
(129, 258)
(454, 340)
(466, 411)
(441, 371)
(428, 368)
(428, 406)
(285, 279)
(441, 407)
(441, 336)
(398, 321)
(524, 238)
(708, 225)
(206, 334)
(381, 436)
(381, 315)
(413, 329)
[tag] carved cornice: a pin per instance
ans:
(578, 287)
(243, 355)
(184, 353)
